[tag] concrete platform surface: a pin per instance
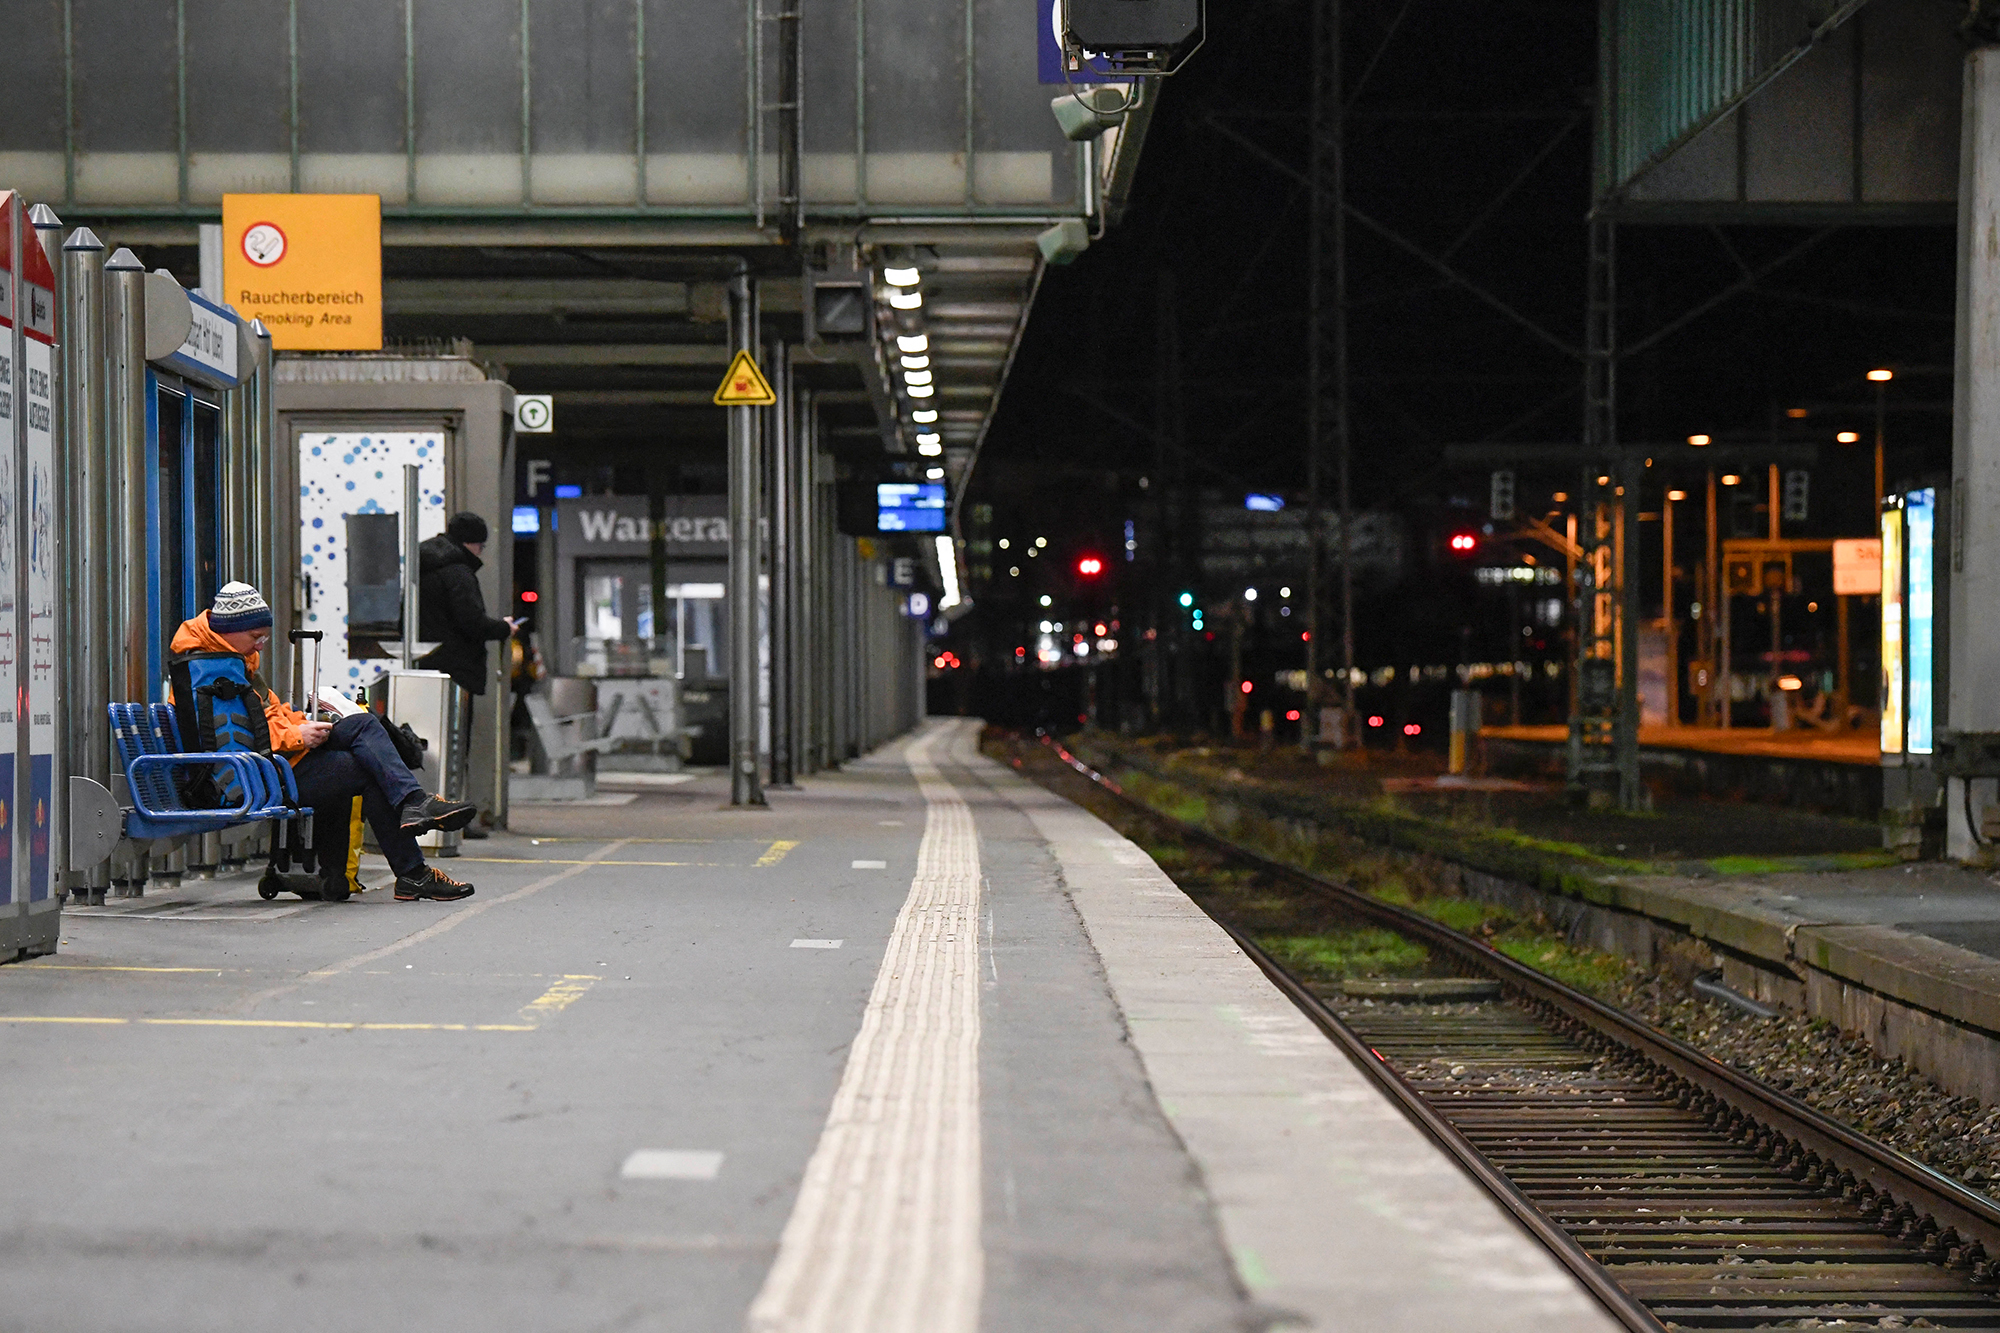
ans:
(919, 1047)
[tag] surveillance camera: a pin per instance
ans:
(1065, 241)
(1090, 112)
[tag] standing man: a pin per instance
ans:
(451, 612)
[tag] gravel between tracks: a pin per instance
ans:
(1835, 1073)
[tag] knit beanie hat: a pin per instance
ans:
(466, 528)
(238, 607)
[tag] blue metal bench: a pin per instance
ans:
(148, 745)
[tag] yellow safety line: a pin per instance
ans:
(114, 967)
(775, 853)
(275, 1023)
(646, 842)
(552, 861)
(558, 997)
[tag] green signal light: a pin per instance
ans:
(1187, 599)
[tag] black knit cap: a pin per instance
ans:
(466, 528)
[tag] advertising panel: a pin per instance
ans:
(37, 306)
(1892, 631)
(1920, 551)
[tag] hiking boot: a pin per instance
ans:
(432, 883)
(477, 831)
(422, 813)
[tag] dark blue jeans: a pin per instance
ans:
(358, 759)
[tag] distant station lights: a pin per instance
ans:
(1698, 441)
(1848, 437)
(1881, 376)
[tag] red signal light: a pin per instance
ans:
(531, 596)
(1464, 543)
(1412, 729)
(1090, 566)
(1291, 715)
(1375, 720)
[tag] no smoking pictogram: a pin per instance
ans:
(263, 244)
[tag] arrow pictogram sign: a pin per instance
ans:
(744, 385)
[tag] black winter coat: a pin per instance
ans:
(451, 612)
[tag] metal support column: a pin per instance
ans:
(1974, 681)
(1604, 721)
(1326, 357)
(798, 578)
(783, 474)
(125, 325)
(86, 569)
(745, 775)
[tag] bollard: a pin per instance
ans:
(1464, 728)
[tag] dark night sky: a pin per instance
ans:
(1459, 101)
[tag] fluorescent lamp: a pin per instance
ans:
(915, 362)
(909, 300)
(919, 390)
(934, 474)
(901, 277)
(924, 416)
(916, 377)
(913, 342)
(930, 450)
(928, 437)
(948, 571)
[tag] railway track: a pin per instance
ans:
(1683, 1194)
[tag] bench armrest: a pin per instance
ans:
(243, 764)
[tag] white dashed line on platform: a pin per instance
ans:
(871, 865)
(672, 1164)
(817, 944)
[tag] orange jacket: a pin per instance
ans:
(195, 636)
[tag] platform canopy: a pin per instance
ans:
(565, 181)
(1779, 110)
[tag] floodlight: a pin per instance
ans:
(1089, 112)
(1065, 241)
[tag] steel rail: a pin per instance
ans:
(1954, 1223)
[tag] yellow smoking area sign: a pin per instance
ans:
(743, 385)
(308, 265)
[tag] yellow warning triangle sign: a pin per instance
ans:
(744, 385)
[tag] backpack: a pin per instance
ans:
(218, 707)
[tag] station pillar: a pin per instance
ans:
(1972, 712)
(745, 676)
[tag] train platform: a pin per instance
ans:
(920, 1047)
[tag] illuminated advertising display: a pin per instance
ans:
(1920, 547)
(1892, 631)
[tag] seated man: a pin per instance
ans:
(336, 762)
